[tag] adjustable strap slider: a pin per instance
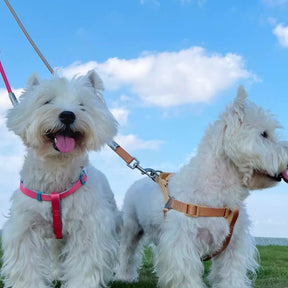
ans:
(188, 212)
(39, 196)
(81, 178)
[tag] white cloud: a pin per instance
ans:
(121, 115)
(269, 223)
(170, 78)
(132, 143)
(11, 159)
(5, 102)
(281, 33)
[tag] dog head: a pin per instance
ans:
(251, 142)
(62, 117)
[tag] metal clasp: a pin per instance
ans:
(134, 164)
(151, 173)
(167, 207)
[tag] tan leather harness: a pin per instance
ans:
(190, 210)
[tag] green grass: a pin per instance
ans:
(274, 267)
(273, 272)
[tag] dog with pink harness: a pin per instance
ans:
(64, 222)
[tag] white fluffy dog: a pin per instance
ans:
(238, 153)
(59, 121)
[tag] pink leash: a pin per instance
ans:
(5, 79)
(55, 199)
(11, 94)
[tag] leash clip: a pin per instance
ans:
(151, 173)
(134, 164)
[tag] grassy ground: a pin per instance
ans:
(273, 272)
(274, 267)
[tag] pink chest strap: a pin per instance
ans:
(55, 198)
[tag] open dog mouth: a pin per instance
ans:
(283, 175)
(64, 140)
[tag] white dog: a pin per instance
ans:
(59, 121)
(239, 152)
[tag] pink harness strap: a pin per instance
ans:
(55, 199)
(56, 214)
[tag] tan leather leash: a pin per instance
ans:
(133, 162)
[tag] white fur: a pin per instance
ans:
(232, 159)
(86, 256)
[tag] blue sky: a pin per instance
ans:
(169, 68)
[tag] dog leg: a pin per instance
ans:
(236, 266)
(178, 263)
(90, 254)
(25, 257)
(129, 258)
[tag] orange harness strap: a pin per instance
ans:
(192, 210)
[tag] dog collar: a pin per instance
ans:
(55, 198)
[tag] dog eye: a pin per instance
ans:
(264, 134)
(47, 102)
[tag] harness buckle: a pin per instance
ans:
(167, 207)
(168, 203)
(227, 212)
(197, 208)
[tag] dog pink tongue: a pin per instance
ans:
(285, 176)
(64, 144)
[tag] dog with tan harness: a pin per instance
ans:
(238, 153)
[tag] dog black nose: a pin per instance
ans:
(67, 117)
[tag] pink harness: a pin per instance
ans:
(55, 198)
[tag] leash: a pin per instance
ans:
(12, 96)
(28, 36)
(133, 162)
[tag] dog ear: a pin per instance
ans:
(33, 80)
(239, 103)
(95, 80)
